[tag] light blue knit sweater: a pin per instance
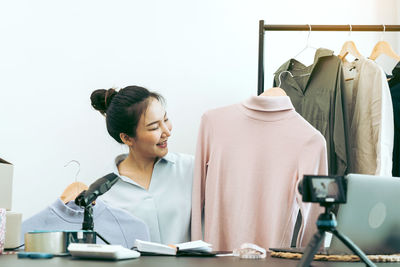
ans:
(116, 225)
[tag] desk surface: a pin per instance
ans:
(158, 261)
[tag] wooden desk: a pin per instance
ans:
(158, 261)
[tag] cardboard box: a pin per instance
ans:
(6, 175)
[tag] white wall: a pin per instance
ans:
(198, 54)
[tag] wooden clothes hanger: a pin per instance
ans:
(349, 47)
(74, 189)
(383, 47)
(274, 91)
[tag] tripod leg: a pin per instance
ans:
(353, 247)
(312, 249)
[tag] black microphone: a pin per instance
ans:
(85, 199)
(96, 189)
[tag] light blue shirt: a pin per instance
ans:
(166, 206)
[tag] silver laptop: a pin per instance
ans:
(371, 216)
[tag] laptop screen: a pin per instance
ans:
(371, 216)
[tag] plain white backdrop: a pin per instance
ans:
(198, 54)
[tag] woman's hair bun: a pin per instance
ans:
(101, 99)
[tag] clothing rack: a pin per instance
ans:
(307, 27)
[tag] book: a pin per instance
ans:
(193, 248)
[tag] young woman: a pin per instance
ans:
(154, 185)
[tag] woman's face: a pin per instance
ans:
(153, 131)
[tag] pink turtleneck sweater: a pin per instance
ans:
(249, 160)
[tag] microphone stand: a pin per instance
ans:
(87, 197)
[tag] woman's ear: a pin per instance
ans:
(126, 139)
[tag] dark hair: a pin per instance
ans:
(123, 109)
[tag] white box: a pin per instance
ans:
(6, 177)
(13, 229)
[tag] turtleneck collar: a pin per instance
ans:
(268, 108)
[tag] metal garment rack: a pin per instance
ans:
(307, 27)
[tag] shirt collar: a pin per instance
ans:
(167, 158)
(395, 77)
(320, 53)
(396, 70)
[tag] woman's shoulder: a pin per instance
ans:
(183, 165)
(180, 158)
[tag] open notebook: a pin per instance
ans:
(194, 248)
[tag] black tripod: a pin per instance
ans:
(327, 223)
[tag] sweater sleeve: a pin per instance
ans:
(312, 161)
(199, 178)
